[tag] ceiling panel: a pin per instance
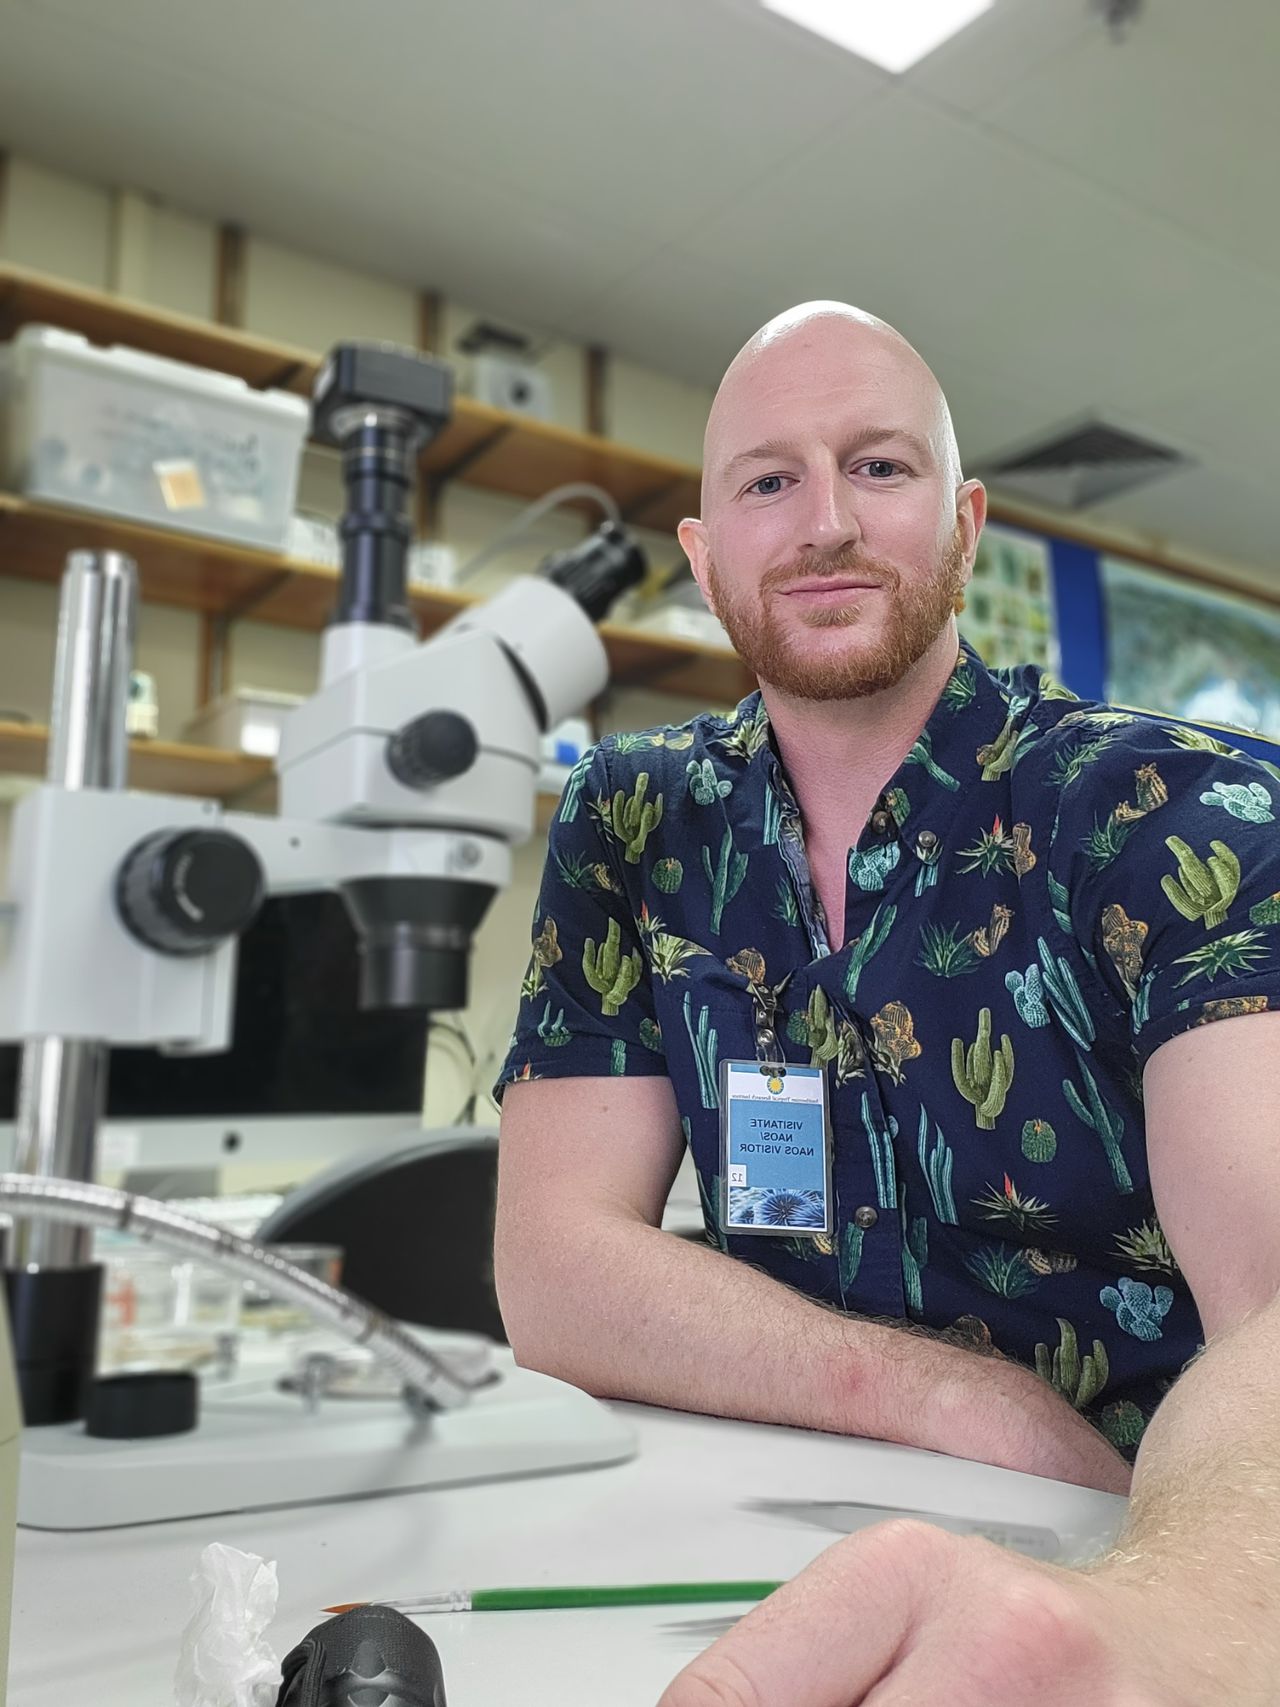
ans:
(1064, 224)
(1181, 119)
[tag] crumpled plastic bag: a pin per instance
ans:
(224, 1661)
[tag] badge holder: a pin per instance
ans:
(775, 1143)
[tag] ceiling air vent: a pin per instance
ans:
(1080, 465)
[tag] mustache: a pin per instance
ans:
(833, 565)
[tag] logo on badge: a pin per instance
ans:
(774, 1083)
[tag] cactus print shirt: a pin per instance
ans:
(1047, 891)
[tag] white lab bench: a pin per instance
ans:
(98, 1615)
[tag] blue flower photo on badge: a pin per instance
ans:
(791, 1209)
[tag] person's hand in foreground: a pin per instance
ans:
(906, 1615)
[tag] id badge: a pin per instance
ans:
(775, 1149)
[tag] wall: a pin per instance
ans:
(120, 240)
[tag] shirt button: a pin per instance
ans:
(926, 841)
(880, 822)
(865, 1217)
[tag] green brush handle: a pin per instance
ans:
(638, 1594)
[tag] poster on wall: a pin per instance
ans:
(1180, 647)
(1009, 616)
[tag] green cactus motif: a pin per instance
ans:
(1064, 995)
(820, 1029)
(772, 815)
(618, 1058)
(1250, 802)
(725, 876)
(1142, 1002)
(928, 852)
(1097, 1114)
(1140, 1310)
(880, 1143)
(1266, 912)
(611, 973)
(865, 946)
(712, 1196)
(1079, 1380)
(996, 757)
(1123, 1424)
(705, 1040)
(632, 818)
(1028, 997)
(983, 1075)
(668, 875)
(705, 787)
(651, 1035)
(785, 906)
(849, 1251)
(1060, 900)
(870, 870)
(571, 794)
(554, 1033)
(915, 1256)
(922, 754)
(935, 1165)
(1039, 1141)
(1208, 887)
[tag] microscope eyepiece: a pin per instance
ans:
(596, 572)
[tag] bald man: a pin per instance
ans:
(958, 990)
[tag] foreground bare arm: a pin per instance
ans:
(594, 1292)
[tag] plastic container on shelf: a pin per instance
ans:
(147, 439)
(247, 720)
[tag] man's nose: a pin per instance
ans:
(830, 521)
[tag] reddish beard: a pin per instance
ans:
(916, 610)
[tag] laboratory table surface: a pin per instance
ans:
(98, 1615)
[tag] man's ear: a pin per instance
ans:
(692, 535)
(971, 515)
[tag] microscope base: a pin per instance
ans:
(256, 1448)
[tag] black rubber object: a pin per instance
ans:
(143, 1405)
(54, 1317)
(371, 1656)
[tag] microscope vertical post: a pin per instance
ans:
(62, 1081)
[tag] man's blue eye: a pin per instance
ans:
(886, 469)
(767, 485)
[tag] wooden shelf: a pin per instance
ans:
(484, 447)
(481, 446)
(234, 581)
(167, 767)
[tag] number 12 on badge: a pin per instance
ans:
(775, 1149)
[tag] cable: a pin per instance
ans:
(429, 1382)
(534, 513)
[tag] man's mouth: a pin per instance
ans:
(829, 589)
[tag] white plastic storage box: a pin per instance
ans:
(248, 720)
(152, 440)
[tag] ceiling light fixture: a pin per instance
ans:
(891, 33)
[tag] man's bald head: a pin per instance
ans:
(817, 348)
(837, 533)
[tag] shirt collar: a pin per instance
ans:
(976, 722)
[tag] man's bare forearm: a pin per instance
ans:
(626, 1311)
(1205, 1521)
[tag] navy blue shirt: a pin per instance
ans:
(1046, 892)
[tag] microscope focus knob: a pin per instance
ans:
(433, 748)
(188, 891)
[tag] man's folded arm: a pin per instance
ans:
(592, 1291)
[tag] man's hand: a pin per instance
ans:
(905, 1615)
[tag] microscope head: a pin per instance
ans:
(384, 383)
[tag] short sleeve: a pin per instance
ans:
(586, 1002)
(1168, 861)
